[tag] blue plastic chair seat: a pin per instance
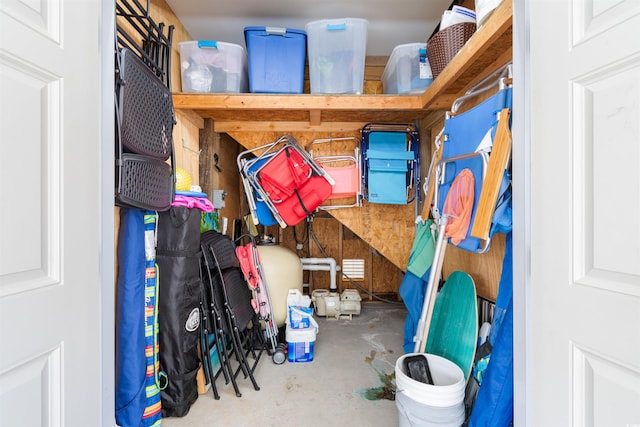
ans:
(390, 164)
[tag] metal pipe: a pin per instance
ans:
(422, 330)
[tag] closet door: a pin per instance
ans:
(584, 296)
(49, 222)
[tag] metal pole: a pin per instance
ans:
(422, 330)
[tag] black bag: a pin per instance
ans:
(178, 257)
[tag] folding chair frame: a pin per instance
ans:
(272, 150)
(245, 163)
(256, 279)
(355, 161)
(212, 313)
(226, 325)
(502, 80)
(413, 163)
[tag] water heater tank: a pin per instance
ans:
(283, 271)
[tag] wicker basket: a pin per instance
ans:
(445, 44)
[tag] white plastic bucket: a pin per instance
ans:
(415, 414)
(448, 379)
(437, 404)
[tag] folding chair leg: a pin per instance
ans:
(255, 335)
(207, 363)
(243, 364)
(227, 367)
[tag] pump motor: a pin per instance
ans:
(331, 304)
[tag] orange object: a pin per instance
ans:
(458, 206)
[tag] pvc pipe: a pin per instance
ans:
(316, 267)
(322, 264)
(320, 261)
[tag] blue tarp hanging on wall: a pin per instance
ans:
(494, 403)
(415, 281)
(412, 290)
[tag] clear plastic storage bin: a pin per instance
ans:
(407, 70)
(337, 49)
(276, 59)
(213, 66)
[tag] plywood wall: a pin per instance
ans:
(219, 170)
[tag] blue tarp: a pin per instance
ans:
(494, 403)
(412, 291)
(414, 284)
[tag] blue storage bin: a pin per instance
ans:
(276, 59)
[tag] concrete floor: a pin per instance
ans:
(345, 384)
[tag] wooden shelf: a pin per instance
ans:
(233, 112)
(488, 49)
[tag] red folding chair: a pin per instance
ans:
(291, 182)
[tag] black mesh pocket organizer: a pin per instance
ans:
(144, 182)
(145, 120)
(146, 109)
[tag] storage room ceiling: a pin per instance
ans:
(391, 22)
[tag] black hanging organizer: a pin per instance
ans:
(144, 110)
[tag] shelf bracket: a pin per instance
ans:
(315, 117)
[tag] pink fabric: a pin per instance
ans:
(201, 203)
(458, 206)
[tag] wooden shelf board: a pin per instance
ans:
(230, 126)
(301, 107)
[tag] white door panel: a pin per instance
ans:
(585, 204)
(50, 120)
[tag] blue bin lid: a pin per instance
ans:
(280, 31)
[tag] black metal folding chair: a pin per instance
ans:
(230, 314)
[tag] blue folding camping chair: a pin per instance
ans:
(466, 143)
(248, 163)
(390, 163)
